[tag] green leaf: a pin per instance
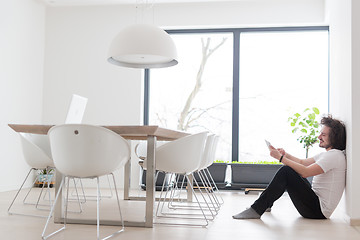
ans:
(316, 110)
(304, 130)
(303, 124)
(292, 124)
(297, 115)
(311, 116)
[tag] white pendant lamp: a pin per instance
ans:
(143, 46)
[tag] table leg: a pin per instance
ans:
(58, 207)
(127, 174)
(150, 181)
(189, 194)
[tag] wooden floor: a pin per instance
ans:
(282, 223)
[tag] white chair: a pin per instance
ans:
(204, 182)
(86, 151)
(37, 154)
(141, 153)
(75, 115)
(209, 163)
(204, 172)
(181, 156)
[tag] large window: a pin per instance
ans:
(241, 84)
(281, 73)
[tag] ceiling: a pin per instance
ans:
(112, 2)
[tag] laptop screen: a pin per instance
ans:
(76, 109)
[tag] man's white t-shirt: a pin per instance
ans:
(329, 186)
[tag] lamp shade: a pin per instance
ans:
(143, 46)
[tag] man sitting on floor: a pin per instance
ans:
(328, 168)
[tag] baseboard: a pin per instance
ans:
(352, 221)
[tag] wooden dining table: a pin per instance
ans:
(149, 133)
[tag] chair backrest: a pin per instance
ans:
(212, 154)
(182, 155)
(82, 150)
(207, 151)
(36, 150)
(141, 148)
(76, 109)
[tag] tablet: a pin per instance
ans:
(268, 144)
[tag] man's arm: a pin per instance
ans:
(304, 167)
(305, 162)
(303, 170)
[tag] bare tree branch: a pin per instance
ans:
(202, 112)
(206, 53)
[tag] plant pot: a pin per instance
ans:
(44, 179)
(252, 175)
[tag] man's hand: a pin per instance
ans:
(282, 151)
(275, 153)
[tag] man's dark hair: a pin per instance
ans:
(337, 132)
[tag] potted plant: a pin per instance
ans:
(307, 124)
(45, 177)
(253, 174)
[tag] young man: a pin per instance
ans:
(328, 168)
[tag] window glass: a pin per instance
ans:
(281, 73)
(196, 94)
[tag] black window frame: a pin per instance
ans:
(236, 71)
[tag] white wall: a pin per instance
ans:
(78, 38)
(22, 25)
(260, 13)
(354, 212)
(344, 87)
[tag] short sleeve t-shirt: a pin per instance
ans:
(329, 186)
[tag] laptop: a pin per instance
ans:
(76, 109)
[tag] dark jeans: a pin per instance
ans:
(299, 189)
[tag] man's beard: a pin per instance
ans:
(322, 145)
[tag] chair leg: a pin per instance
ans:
(97, 208)
(216, 188)
(77, 195)
(193, 191)
(27, 194)
(74, 192)
(160, 199)
(212, 188)
(179, 215)
(19, 190)
(17, 194)
(210, 196)
(95, 196)
(51, 213)
(98, 211)
(188, 206)
(118, 202)
(47, 191)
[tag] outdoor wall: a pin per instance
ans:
(344, 88)
(78, 38)
(22, 26)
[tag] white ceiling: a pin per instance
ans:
(110, 2)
